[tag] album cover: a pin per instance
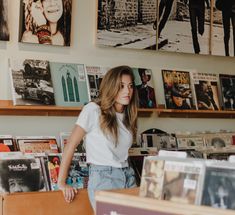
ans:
(177, 89)
(21, 175)
(185, 141)
(206, 90)
(31, 82)
(53, 166)
(37, 144)
(7, 143)
(166, 141)
(151, 183)
(149, 140)
(145, 87)
(182, 181)
(70, 84)
(95, 75)
(64, 139)
(171, 178)
(218, 140)
(78, 173)
(220, 193)
(227, 84)
(218, 153)
(42, 157)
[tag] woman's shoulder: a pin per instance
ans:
(92, 106)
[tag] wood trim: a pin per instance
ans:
(7, 108)
(122, 199)
(195, 113)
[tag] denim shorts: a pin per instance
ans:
(107, 178)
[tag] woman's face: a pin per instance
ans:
(125, 93)
(53, 9)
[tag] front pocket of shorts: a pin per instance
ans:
(100, 179)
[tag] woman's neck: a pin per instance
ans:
(119, 108)
(53, 27)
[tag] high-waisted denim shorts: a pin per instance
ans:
(107, 178)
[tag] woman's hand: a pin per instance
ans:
(69, 192)
(37, 13)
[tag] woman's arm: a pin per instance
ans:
(75, 138)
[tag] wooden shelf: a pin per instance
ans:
(195, 113)
(7, 108)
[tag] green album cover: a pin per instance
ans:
(70, 85)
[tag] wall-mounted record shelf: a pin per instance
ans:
(162, 112)
(7, 108)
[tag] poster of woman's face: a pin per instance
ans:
(45, 22)
(4, 32)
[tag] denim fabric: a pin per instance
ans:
(107, 178)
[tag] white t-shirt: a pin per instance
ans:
(101, 150)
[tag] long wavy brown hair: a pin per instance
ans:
(109, 89)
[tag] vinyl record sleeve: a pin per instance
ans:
(219, 186)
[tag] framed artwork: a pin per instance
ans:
(187, 26)
(223, 28)
(4, 31)
(45, 22)
(126, 24)
(184, 26)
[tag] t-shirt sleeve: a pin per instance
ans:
(86, 116)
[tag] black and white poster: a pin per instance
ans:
(4, 29)
(223, 28)
(127, 24)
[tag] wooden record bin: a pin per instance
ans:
(44, 203)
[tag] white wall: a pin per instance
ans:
(84, 50)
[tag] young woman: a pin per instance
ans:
(47, 22)
(108, 126)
